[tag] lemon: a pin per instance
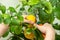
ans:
(31, 18)
(28, 36)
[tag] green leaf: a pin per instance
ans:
(28, 30)
(6, 34)
(17, 6)
(3, 8)
(21, 35)
(23, 1)
(1, 19)
(12, 28)
(56, 26)
(44, 17)
(18, 30)
(20, 18)
(57, 37)
(57, 11)
(22, 9)
(15, 29)
(38, 35)
(12, 9)
(15, 21)
(33, 2)
(32, 10)
(7, 21)
(59, 0)
(47, 6)
(5, 16)
(16, 38)
(53, 2)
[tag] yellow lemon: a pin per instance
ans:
(31, 17)
(28, 36)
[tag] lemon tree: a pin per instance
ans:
(39, 11)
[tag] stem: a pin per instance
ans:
(9, 38)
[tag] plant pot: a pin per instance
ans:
(3, 28)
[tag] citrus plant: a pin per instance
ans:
(38, 11)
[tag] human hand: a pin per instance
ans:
(27, 21)
(3, 28)
(48, 30)
(44, 27)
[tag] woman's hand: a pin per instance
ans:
(46, 29)
(3, 28)
(27, 21)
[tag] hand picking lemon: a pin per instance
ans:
(31, 18)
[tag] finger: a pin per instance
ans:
(24, 16)
(28, 21)
(47, 24)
